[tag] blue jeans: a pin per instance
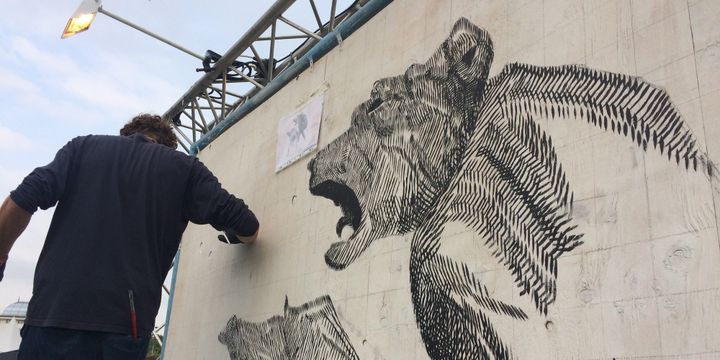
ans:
(58, 343)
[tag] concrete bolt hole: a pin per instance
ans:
(549, 325)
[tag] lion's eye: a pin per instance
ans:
(374, 105)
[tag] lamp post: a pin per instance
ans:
(88, 10)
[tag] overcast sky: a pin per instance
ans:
(52, 90)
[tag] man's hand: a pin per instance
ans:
(248, 239)
(231, 237)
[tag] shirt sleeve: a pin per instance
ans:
(207, 202)
(45, 185)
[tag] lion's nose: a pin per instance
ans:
(311, 164)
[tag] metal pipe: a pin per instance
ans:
(271, 58)
(283, 37)
(343, 30)
(194, 128)
(176, 265)
(332, 14)
(224, 96)
(148, 32)
(236, 50)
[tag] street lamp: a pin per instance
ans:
(88, 9)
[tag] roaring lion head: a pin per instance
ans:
(404, 145)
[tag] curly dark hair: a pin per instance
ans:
(152, 126)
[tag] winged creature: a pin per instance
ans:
(444, 143)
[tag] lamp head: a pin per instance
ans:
(82, 18)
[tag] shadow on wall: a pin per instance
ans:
(443, 143)
(308, 331)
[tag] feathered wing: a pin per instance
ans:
(512, 189)
(626, 105)
(513, 192)
(451, 308)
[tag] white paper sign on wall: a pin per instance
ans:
(297, 133)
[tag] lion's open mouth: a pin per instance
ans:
(344, 197)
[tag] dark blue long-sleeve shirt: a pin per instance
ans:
(122, 206)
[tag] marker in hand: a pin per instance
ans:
(230, 237)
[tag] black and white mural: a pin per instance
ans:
(444, 143)
(308, 331)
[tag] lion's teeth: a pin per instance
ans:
(344, 221)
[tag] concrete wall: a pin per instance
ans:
(644, 282)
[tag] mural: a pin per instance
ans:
(308, 331)
(443, 143)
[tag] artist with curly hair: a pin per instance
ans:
(123, 203)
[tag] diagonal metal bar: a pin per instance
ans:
(212, 107)
(340, 18)
(157, 338)
(296, 26)
(218, 101)
(185, 127)
(271, 59)
(283, 37)
(258, 58)
(202, 117)
(317, 14)
(196, 126)
(227, 92)
(177, 130)
(242, 75)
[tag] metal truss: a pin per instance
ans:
(157, 329)
(250, 64)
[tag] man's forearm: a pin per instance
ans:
(13, 221)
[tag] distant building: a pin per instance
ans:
(11, 321)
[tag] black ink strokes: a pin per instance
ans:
(308, 331)
(443, 143)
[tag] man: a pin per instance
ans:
(123, 203)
